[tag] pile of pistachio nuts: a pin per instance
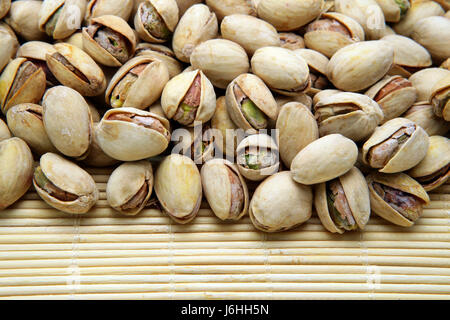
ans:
(271, 108)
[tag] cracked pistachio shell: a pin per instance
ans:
(25, 121)
(184, 5)
(148, 86)
(31, 90)
(280, 204)
(197, 25)
(258, 33)
(297, 129)
(23, 17)
(290, 40)
(394, 10)
(8, 43)
(224, 8)
(176, 89)
(191, 140)
(440, 98)
(221, 60)
(68, 121)
(324, 159)
(317, 64)
(71, 14)
(437, 158)
(94, 83)
(287, 15)
(178, 187)
(69, 178)
(97, 157)
(221, 121)
(97, 52)
(127, 141)
(423, 115)
(98, 8)
(357, 195)
(168, 12)
(408, 155)
(257, 91)
(16, 170)
(125, 184)
(399, 181)
(396, 102)
(282, 70)
(424, 81)
(219, 189)
(4, 7)
(360, 65)
(4, 131)
(163, 53)
(356, 125)
(328, 42)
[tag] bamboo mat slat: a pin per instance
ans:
(45, 254)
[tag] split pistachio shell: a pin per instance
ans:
(221, 121)
(225, 189)
(25, 121)
(411, 197)
(98, 8)
(21, 82)
(197, 25)
(221, 60)
(394, 10)
(160, 52)
(394, 94)
(188, 98)
(129, 134)
(317, 64)
(138, 83)
(424, 81)
(396, 146)
(184, 5)
(4, 7)
(8, 43)
(97, 157)
(4, 131)
(224, 8)
(129, 187)
(423, 115)
(178, 175)
(76, 69)
(282, 70)
(360, 65)
(440, 98)
(64, 185)
(280, 204)
(196, 143)
(323, 94)
(16, 170)
(297, 129)
(287, 15)
(291, 41)
(324, 159)
(23, 17)
(250, 103)
(433, 171)
(68, 122)
(355, 199)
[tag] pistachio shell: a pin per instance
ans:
(323, 94)
(98, 8)
(280, 204)
(324, 159)
(160, 52)
(446, 64)
(184, 5)
(423, 115)
(221, 121)
(23, 17)
(424, 81)
(224, 8)
(291, 41)
(196, 143)
(4, 131)
(4, 7)
(440, 98)
(35, 50)
(8, 43)
(393, 10)
(96, 156)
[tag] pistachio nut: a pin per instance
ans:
(197, 25)
(129, 134)
(23, 17)
(353, 115)
(331, 32)
(196, 143)
(424, 81)
(60, 18)
(397, 198)
(287, 15)
(394, 10)
(26, 122)
(222, 122)
(178, 175)
(290, 40)
(360, 65)
(184, 5)
(4, 131)
(258, 33)
(155, 20)
(98, 8)
(324, 159)
(163, 53)
(297, 128)
(16, 170)
(225, 189)
(280, 204)
(224, 8)
(221, 60)
(129, 187)
(189, 97)
(257, 157)
(64, 185)
(74, 68)
(138, 83)
(8, 43)
(423, 115)
(317, 64)
(21, 82)
(440, 98)
(68, 121)
(343, 204)
(250, 103)
(394, 95)
(282, 70)
(4, 7)
(109, 40)
(397, 145)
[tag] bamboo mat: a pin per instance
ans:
(45, 254)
